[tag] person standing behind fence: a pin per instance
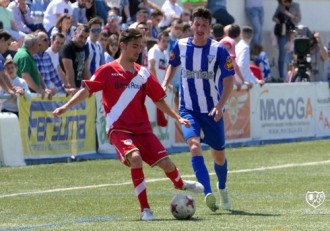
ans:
(287, 14)
(74, 58)
(5, 41)
(157, 64)
(27, 67)
(206, 83)
(10, 105)
(125, 86)
(54, 10)
(255, 12)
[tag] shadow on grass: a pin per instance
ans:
(244, 213)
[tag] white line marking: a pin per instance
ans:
(163, 179)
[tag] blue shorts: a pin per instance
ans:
(214, 132)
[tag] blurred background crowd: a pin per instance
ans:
(53, 44)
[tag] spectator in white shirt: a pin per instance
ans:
(242, 50)
(172, 11)
(54, 10)
(57, 42)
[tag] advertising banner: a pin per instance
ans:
(322, 108)
(283, 111)
(45, 135)
(237, 116)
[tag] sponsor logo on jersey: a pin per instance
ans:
(197, 74)
(130, 85)
(116, 74)
(229, 65)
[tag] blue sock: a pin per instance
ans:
(221, 172)
(201, 172)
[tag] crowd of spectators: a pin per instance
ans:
(56, 43)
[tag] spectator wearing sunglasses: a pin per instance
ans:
(74, 58)
(96, 56)
(113, 23)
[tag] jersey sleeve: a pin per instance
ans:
(97, 82)
(174, 59)
(154, 89)
(225, 62)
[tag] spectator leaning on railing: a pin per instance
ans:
(5, 83)
(27, 67)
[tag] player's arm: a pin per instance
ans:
(164, 107)
(170, 72)
(82, 94)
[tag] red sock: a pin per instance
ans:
(175, 177)
(140, 187)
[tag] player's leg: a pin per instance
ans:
(172, 172)
(154, 153)
(192, 135)
(215, 137)
(129, 155)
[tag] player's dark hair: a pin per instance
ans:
(128, 35)
(202, 12)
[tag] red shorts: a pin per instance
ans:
(149, 146)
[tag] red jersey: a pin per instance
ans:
(124, 94)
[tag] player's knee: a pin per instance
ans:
(135, 159)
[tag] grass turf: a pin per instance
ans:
(267, 185)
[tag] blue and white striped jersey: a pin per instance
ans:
(202, 73)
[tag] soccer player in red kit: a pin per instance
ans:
(125, 85)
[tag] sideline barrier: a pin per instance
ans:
(11, 151)
(272, 113)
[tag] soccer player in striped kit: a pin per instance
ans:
(206, 83)
(125, 85)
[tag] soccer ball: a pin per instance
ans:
(183, 206)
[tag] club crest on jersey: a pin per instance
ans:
(210, 58)
(128, 142)
(229, 65)
(172, 55)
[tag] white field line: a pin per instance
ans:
(163, 179)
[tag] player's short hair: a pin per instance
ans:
(130, 34)
(4, 34)
(202, 12)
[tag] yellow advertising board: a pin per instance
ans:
(45, 135)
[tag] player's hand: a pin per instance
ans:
(59, 111)
(216, 113)
(185, 122)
